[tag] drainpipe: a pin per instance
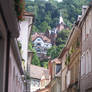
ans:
(7, 62)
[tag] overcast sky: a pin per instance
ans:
(59, 0)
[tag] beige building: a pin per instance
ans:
(73, 59)
(64, 67)
(86, 56)
(55, 75)
(37, 78)
(45, 79)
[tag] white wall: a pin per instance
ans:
(25, 29)
(34, 84)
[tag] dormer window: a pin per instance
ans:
(58, 68)
(39, 39)
(38, 44)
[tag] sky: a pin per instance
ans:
(56, 0)
(59, 0)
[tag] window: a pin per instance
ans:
(72, 74)
(13, 73)
(88, 61)
(83, 64)
(38, 49)
(76, 69)
(58, 68)
(87, 26)
(39, 39)
(38, 44)
(83, 32)
(89, 55)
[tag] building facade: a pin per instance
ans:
(64, 70)
(73, 59)
(25, 33)
(16, 74)
(86, 56)
(55, 75)
(36, 74)
(41, 44)
(8, 30)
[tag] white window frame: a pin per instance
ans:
(84, 32)
(83, 64)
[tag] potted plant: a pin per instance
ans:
(19, 8)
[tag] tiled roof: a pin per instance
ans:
(36, 71)
(46, 73)
(28, 13)
(41, 35)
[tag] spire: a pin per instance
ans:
(61, 18)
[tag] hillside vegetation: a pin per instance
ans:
(47, 15)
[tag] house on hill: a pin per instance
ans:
(41, 44)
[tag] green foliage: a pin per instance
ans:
(44, 26)
(35, 59)
(44, 63)
(19, 8)
(62, 37)
(60, 43)
(67, 59)
(46, 14)
(70, 10)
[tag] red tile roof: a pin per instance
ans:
(41, 35)
(36, 71)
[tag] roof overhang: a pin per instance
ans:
(9, 16)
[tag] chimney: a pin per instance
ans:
(79, 17)
(84, 8)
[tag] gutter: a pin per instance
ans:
(17, 55)
(7, 50)
(9, 15)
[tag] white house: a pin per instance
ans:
(25, 31)
(41, 43)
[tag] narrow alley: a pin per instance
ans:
(45, 46)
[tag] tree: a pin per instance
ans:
(35, 59)
(61, 39)
(46, 14)
(70, 10)
(43, 26)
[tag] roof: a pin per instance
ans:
(46, 73)
(41, 35)
(36, 71)
(28, 13)
(56, 60)
(63, 52)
